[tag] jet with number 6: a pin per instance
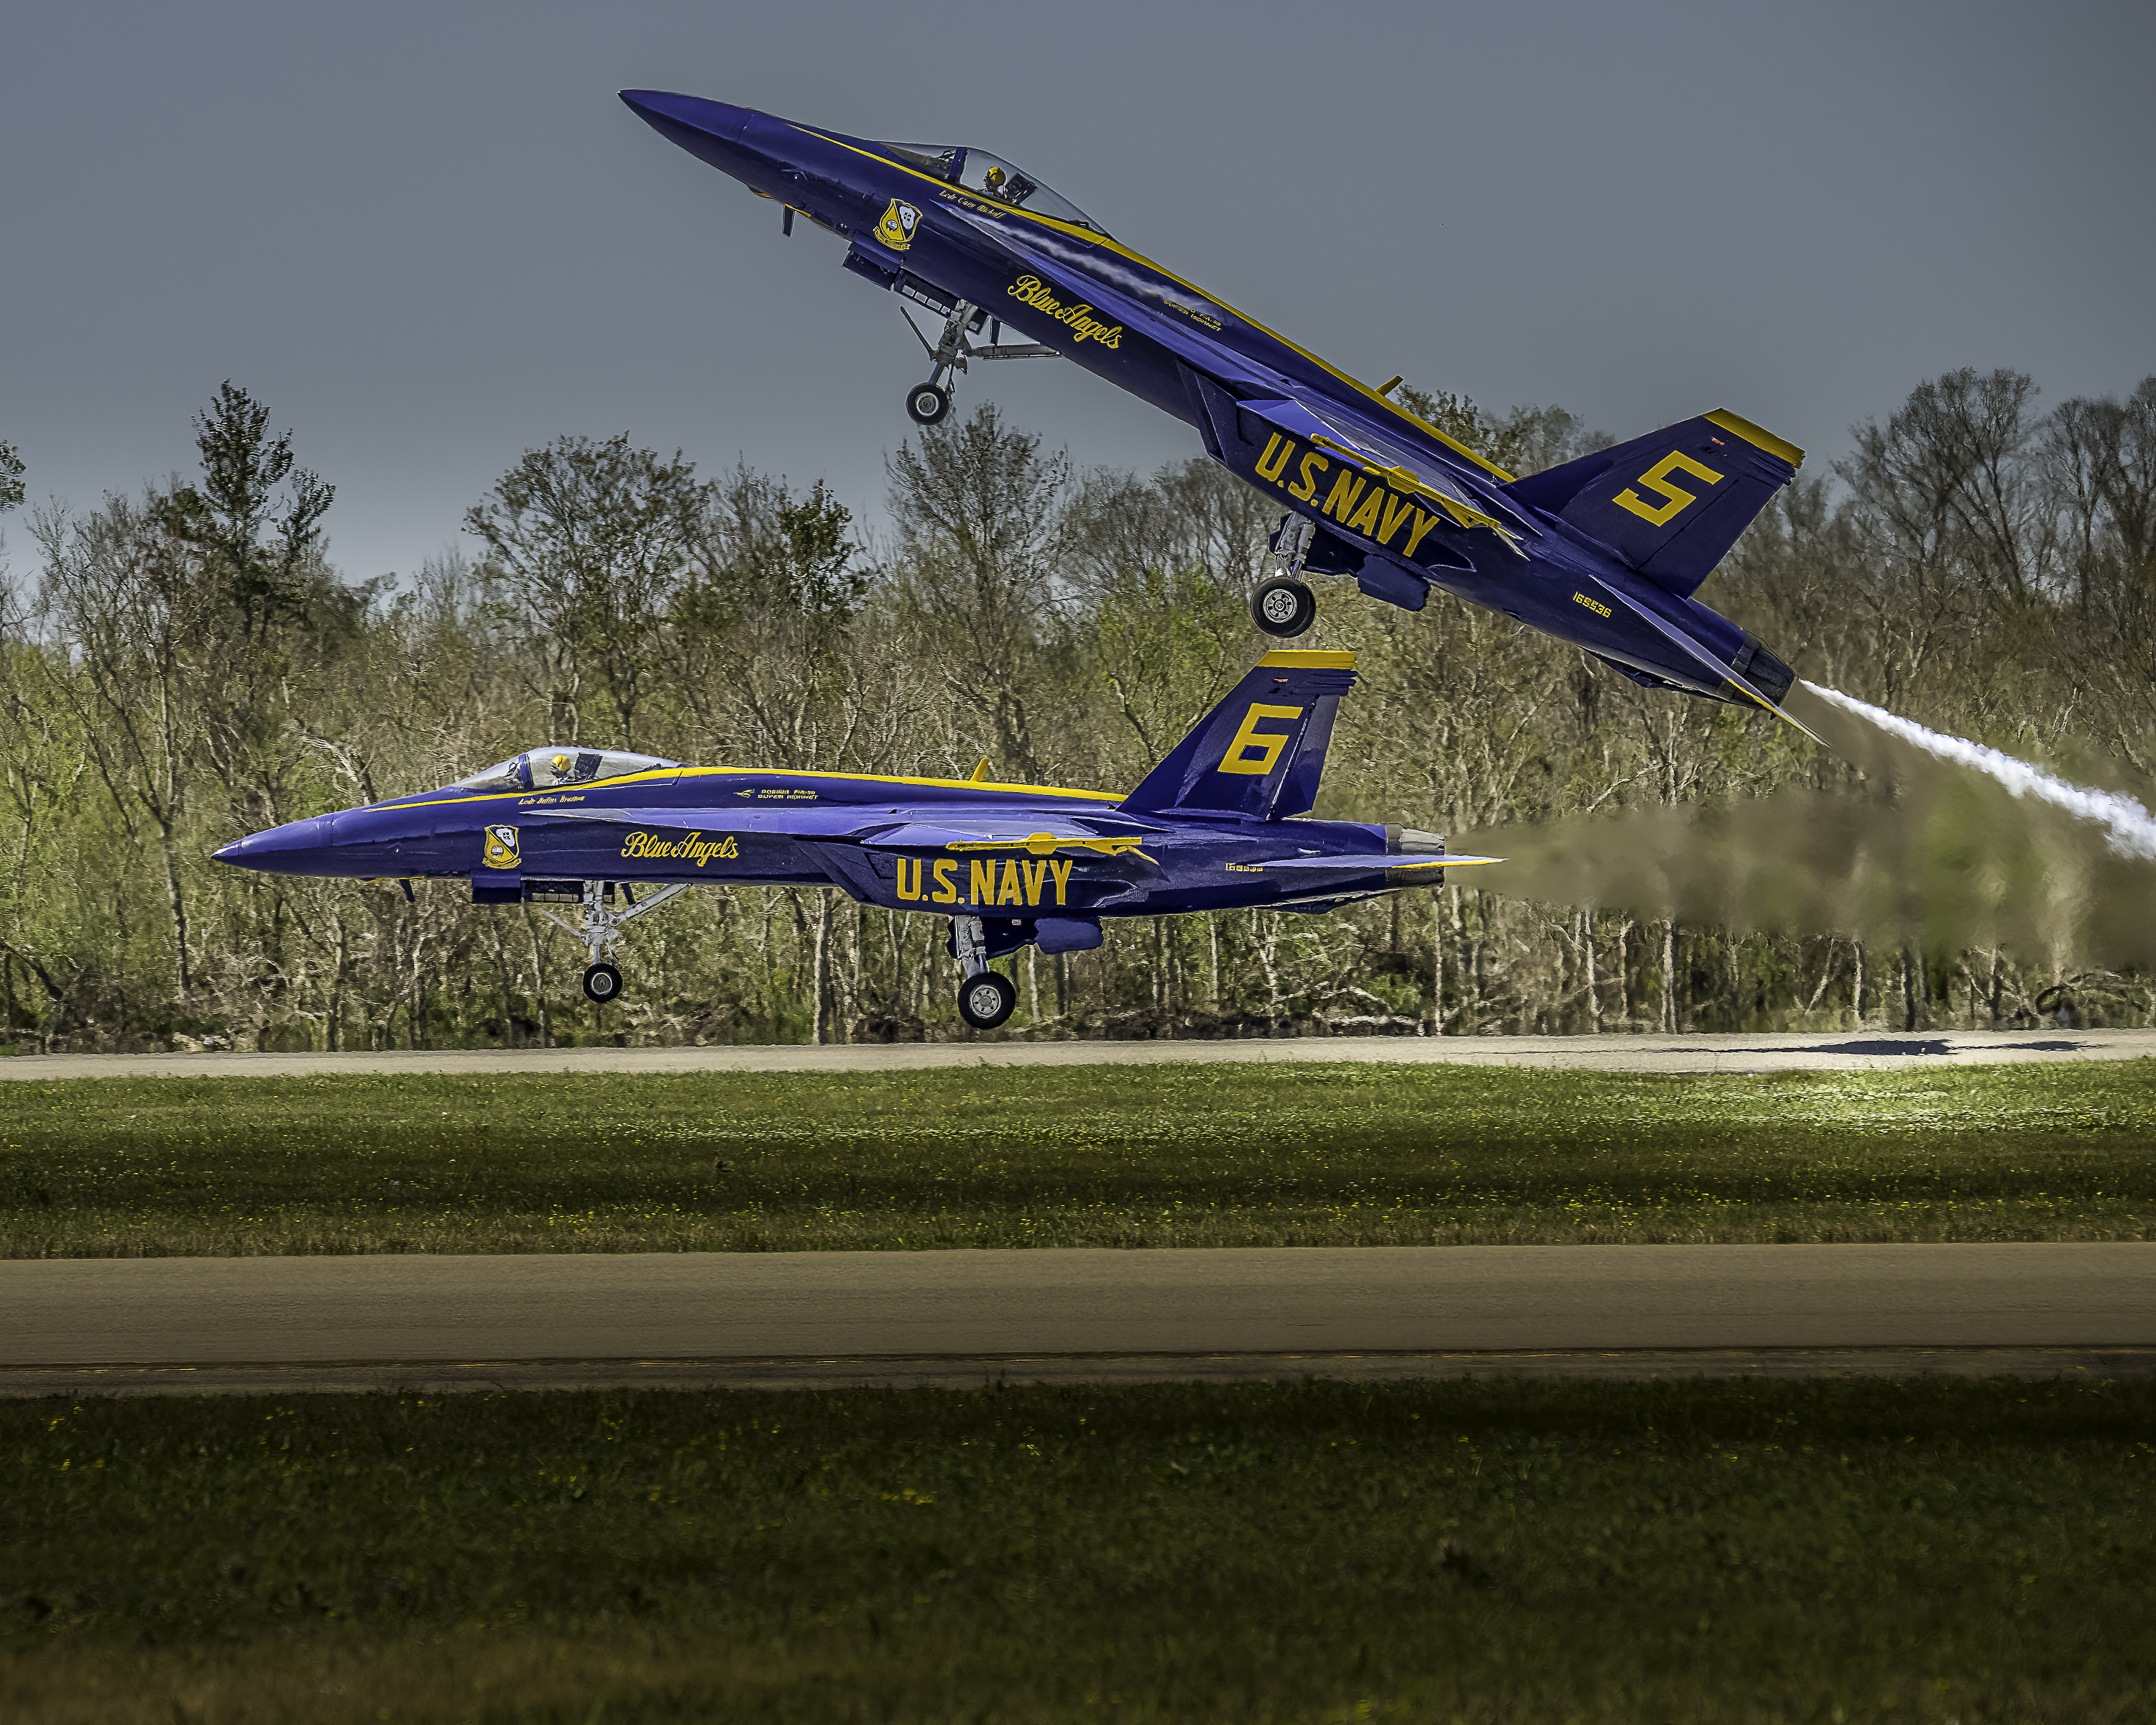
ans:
(1604, 551)
(1218, 825)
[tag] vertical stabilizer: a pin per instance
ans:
(1671, 503)
(1260, 752)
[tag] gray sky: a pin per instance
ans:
(429, 236)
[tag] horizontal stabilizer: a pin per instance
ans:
(1671, 503)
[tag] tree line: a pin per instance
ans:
(185, 665)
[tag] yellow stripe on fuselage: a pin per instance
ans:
(670, 773)
(1094, 236)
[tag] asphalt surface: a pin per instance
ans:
(67, 1325)
(1866, 1050)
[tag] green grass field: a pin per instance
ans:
(1714, 1551)
(1209, 1155)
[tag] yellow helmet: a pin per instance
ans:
(993, 178)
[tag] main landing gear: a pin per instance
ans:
(1285, 606)
(601, 930)
(926, 403)
(985, 998)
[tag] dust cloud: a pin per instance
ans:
(1945, 841)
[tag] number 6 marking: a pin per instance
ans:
(1267, 744)
(1656, 479)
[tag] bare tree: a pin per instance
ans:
(587, 542)
(979, 511)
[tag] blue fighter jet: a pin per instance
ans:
(1604, 551)
(1218, 825)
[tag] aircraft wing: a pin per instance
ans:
(1169, 314)
(873, 830)
(1462, 495)
(1037, 835)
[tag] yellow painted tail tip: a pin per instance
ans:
(1757, 435)
(1288, 660)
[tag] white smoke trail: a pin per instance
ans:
(2130, 827)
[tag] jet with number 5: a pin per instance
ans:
(1604, 551)
(1218, 825)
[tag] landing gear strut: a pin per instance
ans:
(1285, 606)
(926, 403)
(985, 999)
(601, 930)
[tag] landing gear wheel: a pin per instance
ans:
(602, 983)
(927, 403)
(1284, 607)
(986, 1000)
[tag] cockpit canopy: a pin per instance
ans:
(990, 176)
(558, 764)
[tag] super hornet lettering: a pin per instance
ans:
(1369, 492)
(1222, 822)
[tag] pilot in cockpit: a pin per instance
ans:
(1013, 188)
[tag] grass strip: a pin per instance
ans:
(1169, 1156)
(1728, 1550)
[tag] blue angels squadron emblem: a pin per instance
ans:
(1605, 552)
(895, 229)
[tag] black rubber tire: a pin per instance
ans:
(1284, 607)
(602, 983)
(986, 1000)
(926, 403)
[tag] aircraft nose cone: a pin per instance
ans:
(279, 849)
(666, 110)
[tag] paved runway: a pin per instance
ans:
(1868, 1051)
(78, 1317)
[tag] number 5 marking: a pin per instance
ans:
(1656, 479)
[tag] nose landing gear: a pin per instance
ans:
(985, 998)
(926, 403)
(602, 983)
(601, 927)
